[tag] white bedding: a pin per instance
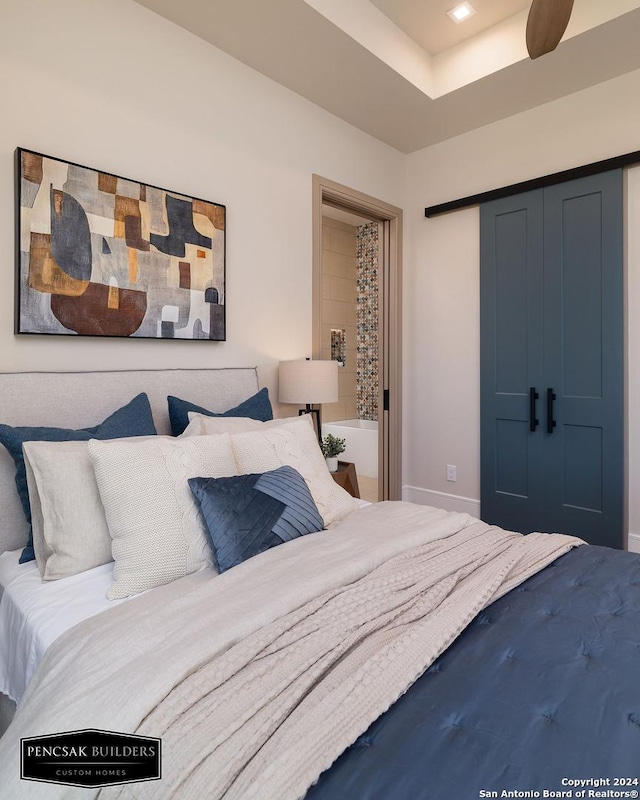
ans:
(272, 668)
(34, 613)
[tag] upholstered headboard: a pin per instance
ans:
(83, 399)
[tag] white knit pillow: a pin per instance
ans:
(202, 424)
(295, 444)
(154, 522)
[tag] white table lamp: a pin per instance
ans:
(308, 382)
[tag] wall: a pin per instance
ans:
(339, 270)
(109, 84)
(441, 277)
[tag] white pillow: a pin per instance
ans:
(295, 444)
(202, 424)
(153, 519)
(70, 532)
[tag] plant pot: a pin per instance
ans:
(332, 463)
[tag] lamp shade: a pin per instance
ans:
(308, 381)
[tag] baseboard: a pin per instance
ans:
(450, 502)
(453, 502)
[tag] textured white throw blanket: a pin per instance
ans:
(258, 679)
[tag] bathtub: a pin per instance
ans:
(361, 440)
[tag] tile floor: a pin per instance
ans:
(368, 488)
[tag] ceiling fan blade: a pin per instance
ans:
(547, 21)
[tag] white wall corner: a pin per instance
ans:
(634, 542)
(450, 502)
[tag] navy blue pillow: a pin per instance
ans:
(248, 514)
(256, 407)
(134, 419)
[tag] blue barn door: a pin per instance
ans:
(552, 420)
(511, 292)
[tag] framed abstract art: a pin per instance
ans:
(102, 255)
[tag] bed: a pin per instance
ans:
(402, 652)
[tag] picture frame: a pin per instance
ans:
(102, 255)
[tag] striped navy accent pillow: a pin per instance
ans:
(247, 514)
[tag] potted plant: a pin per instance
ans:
(332, 446)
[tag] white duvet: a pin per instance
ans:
(256, 680)
(34, 613)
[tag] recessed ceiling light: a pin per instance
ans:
(461, 12)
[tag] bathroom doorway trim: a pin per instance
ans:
(389, 217)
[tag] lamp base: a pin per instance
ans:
(316, 414)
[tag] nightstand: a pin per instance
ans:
(346, 477)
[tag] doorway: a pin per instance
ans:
(357, 321)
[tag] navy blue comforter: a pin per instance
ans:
(543, 687)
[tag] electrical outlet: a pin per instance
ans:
(452, 473)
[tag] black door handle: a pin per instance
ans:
(533, 396)
(551, 423)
